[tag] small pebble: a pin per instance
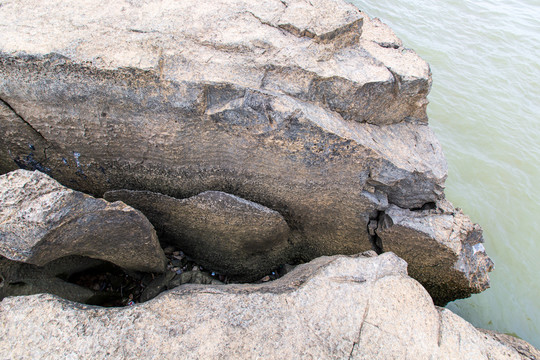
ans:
(266, 278)
(168, 250)
(176, 253)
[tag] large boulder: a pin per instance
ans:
(236, 237)
(41, 221)
(310, 109)
(357, 307)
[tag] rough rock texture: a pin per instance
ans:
(238, 238)
(416, 234)
(526, 350)
(41, 220)
(333, 307)
(320, 117)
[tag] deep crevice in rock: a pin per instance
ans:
(376, 241)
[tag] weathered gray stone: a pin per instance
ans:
(321, 118)
(442, 246)
(238, 238)
(41, 220)
(331, 308)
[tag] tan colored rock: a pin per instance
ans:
(41, 221)
(526, 350)
(222, 232)
(357, 307)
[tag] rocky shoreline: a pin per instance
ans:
(146, 141)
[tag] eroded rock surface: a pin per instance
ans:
(41, 221)
(434, 239)
(333, 307)
(237, 237)
(310, 109)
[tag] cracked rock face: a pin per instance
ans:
(320, 118)
(236, 237)
(416, 235)
(333, 307)
(41, 221)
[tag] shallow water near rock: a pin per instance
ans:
(485, 110)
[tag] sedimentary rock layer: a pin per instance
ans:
(310, 109)
(41, 221)
(333, 307)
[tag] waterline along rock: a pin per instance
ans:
(308, 108)
(42, 221)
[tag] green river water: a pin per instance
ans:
(484, 108)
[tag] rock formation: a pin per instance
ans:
(415, 234)
(320, 118)
(223, 232)
(41, 221)
(333, 307)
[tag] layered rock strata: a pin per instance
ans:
(236, 237)
(310, 109)
(41, 221)
(358, 307)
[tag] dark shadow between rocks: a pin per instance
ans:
(101, 283)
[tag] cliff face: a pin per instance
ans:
(310, 109)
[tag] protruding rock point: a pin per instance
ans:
(442, 247)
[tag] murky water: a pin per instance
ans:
(485, 109)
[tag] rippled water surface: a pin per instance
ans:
(484, 107)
